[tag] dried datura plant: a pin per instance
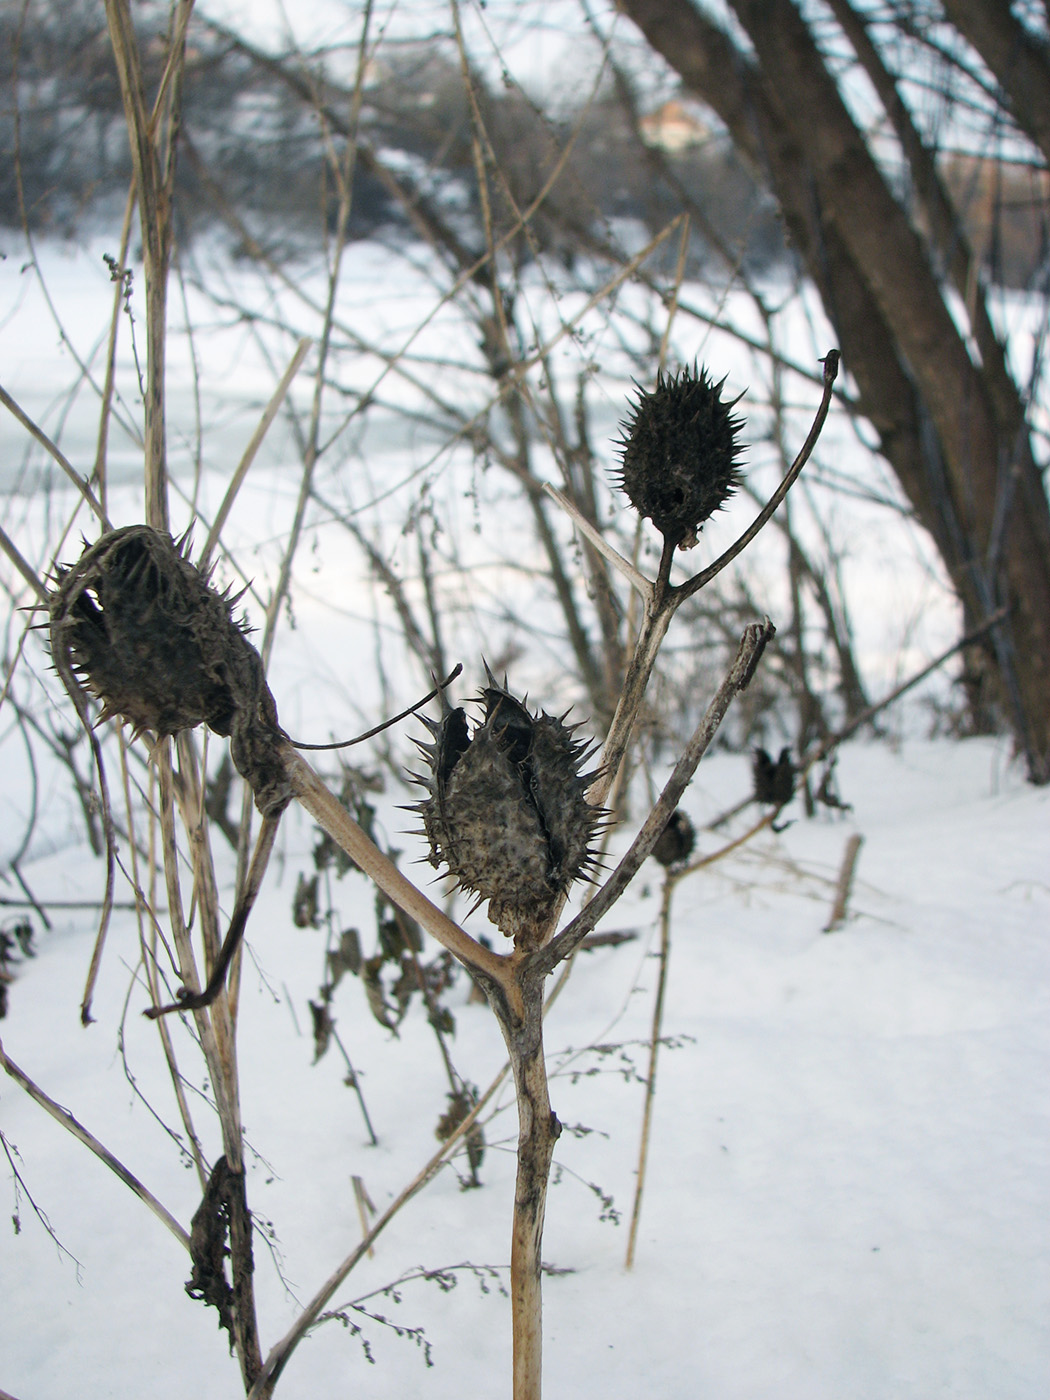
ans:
(510, 810)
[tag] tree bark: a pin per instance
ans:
(956, 440)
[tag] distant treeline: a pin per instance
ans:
(256, 130)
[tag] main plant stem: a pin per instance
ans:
(538, 1130)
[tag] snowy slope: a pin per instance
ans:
(848, 1182)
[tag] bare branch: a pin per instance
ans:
(831, 369)
(752, 644)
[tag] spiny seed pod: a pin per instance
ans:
(506, 810)
(139, 626)
(774, 782)
(675, 843)
(680, 454)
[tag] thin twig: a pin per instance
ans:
(650, 1079)
(241, 471)
(454, 674)
(148, 947)
(26, 569)
(196, 1001)
(280, 1353)
(72, 1125)
(831, 369)
(833, 740)
(60, 457)
(600, 543)
(752, 644)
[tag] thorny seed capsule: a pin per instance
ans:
(680, 454)
(506, 810)
(774, 783)
(676, 841)
(139, 626)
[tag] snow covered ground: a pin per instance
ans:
(850, 1165)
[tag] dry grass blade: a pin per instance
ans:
(237, 480)
(600, 543)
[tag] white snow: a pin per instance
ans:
(848, 1182)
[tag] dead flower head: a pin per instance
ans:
(136, 624)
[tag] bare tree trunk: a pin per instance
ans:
(959, 446)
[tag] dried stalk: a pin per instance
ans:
(154, 172)
(837, 917)
(215, 1032)
(670, 881)
(249, 454)
(662, 598)
(23, 566)
(151, 970)
(752, 644)
(332, 817)
(514, 985)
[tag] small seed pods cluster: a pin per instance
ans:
(506, 811)
(680, 454)
(136, 624)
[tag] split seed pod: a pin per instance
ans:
(136, 624)
(506, 810)
(774, 783)
(680, 454)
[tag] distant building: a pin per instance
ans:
(674, 127)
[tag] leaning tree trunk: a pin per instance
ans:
(953, 433)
